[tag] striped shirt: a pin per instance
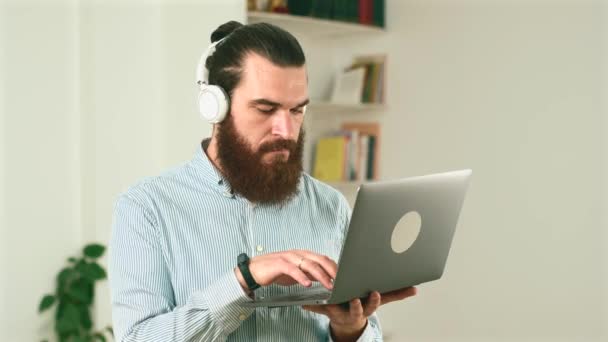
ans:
(174, 244)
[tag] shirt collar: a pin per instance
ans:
(208, 171)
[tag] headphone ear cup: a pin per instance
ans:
(213, 103)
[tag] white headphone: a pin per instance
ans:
(213, 102)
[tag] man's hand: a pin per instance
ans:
(289, 268)
(348, 324)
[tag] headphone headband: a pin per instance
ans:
(202, 73)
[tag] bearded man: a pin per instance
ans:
(176, 237)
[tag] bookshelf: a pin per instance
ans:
(312, 27)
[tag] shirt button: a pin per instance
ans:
(259, 248)
(242, 317)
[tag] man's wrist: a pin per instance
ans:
(351, 332)
(242, 282)
(243, 266)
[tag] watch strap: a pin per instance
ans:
(243, 264)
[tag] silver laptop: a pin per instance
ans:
(400, 235)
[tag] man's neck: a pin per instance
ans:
(212, 154)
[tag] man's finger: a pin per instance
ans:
(297, 274)
(317, 272)
(356, 308)
(306, 262)
(326, 262)
(398, 295)
(320, 309)
(373, 303)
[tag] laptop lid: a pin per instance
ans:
(373, 257)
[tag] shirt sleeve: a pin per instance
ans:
(143, 304)
(372, 331)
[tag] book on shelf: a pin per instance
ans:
(365, 12)
(330, 156)
(378, 13)
(323, 9)
(366, 16)
(363, 81)
(371, 132)
(350, 154)
(348, 86)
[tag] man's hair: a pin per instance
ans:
(269, 41)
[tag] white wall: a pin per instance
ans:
(40, 152)
(3, 242)
(512, 90)
(186, 33)
(605, 110)
(138, 63)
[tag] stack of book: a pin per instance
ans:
(366, 12)
(350, 154)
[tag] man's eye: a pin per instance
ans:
(266, 111)
(298, 111)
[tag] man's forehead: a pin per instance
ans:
(261, 74)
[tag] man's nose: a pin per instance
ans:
(282, 124)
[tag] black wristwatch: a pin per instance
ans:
(243, 264)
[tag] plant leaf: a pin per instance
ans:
(94, 272)
(46, 302)
(79, 291)
(94, 250)
(79, 338)
(99, 336)
(64, 277)
(59, 311)
(72, 259)
(69, 321)
(85, 317)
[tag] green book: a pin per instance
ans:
(378, 13)
(371, 154)
(300, 7)
(322, 8)
(339, 11)
(353, 11)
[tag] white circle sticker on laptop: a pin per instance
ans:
(406, 232)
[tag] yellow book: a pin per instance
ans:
(329, 159)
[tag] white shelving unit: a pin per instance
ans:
(313, 27)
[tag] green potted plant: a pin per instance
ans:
(74, 295)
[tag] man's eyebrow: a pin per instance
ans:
(304, 103)
(267, 102)
(263, 102)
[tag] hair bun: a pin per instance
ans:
(224, 30)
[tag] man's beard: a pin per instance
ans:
(274, 182)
